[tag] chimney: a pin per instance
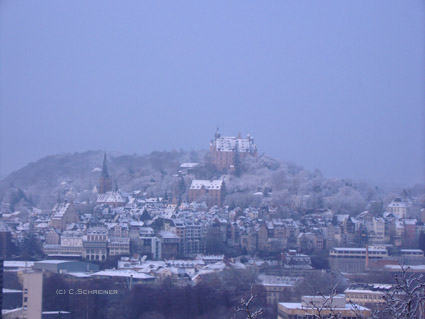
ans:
(367, 257)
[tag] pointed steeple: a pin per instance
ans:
(105, 183)
(104, 168)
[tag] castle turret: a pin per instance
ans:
(217, 133)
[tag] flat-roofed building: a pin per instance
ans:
(367, 294)
(169, 244)
(329, 306)
(32, 296)
(349, 252)
(95, 243)
(412, 252)
(277, 288)
(119, 246)
(65, 266)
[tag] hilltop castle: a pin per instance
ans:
(226, 150)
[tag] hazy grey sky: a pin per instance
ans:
(335, 85)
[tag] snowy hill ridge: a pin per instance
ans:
(264, 181)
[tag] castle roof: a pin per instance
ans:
(210, 185)
(232, 143)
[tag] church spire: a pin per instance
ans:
(104, 168)
(105, 183)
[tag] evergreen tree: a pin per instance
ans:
(145, 215)
(237, 163)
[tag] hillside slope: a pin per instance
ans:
(263, 181)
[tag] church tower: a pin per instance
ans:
(105, 183)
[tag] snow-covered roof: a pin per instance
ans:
(371, 248)
(11, 311)
(229, 144)
(368, 288)
(399, 204)
(55, 262)
(189, 165)
(210, 185)
(281, 281)
(123, 273)
(412, 251)
(17, 264)
(168, 234)
(410, 221)
(420, 268)
(79, 274)
(298, 305)
(11, 291)
(59, 210)
(363, 291)
(110, 197)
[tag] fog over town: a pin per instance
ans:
(212, 160)
(335, 86)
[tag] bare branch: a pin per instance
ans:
(245, 306)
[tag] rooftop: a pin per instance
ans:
(207, 184)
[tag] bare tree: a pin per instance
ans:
(407, 298)
(325, 307)
(245, 305)
(360, 314)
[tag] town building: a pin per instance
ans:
(278, 288)
(188, 168)
(170, 243)
(325, 306)
(399, 207)
(367, 294)
(212, 192)
(119, 246)
(70, 245)
(32, 296)
(62, 215)
(65, 266)
(349, 252)
(5, 240)
(95, 243)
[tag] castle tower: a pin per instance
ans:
(105, 183)
(217, 133)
